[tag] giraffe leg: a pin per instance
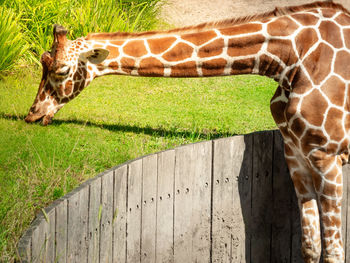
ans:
(328, 181)
(307, 201)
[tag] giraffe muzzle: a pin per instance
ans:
(33, 117)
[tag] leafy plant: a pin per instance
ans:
(12, 44)
(80, 17)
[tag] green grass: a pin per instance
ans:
(115, 119)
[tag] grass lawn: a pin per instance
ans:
(115, 119)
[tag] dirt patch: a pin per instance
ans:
(191, 12)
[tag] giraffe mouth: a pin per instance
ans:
(32, 117)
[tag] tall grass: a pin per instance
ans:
(12, 44)
(79, 16)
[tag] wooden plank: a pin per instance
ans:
(50, 219)
(183, 204)
(193, 203)
(149, 213)
(77, 203)
(24, 246)
(43, 236)
(228, 223)
(282, 204)
(296, 231)
(106, 217)
(94, 222)
(165, 206)
(61, 232)
(262, 197)
(134, 211)
(346, 212)
(39, 239)
(245, 193)
(119, 214)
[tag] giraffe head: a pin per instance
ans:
(65, 74)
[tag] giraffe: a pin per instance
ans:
(306, 49)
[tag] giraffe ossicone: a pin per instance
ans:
(306, 49)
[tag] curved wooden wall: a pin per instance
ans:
(227, 200)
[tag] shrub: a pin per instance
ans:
(12, 43)
(80, 17)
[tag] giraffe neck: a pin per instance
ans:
(240, 49)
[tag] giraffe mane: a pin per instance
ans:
(278, 11)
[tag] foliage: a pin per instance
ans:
(12, 44)
(37, 17)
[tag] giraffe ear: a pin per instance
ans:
(94, 56)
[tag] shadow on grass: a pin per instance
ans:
(160, 132)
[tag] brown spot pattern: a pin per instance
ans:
(135, 48)
(311, 138)
(331, 221)
(333, 124)
(298, 127)
(318, 63)
(298, 183)
(60, 91)
(241, 29)
(305, 40)
(313, 107)
(245, 46)
(113, 52)
(282, 26)
(214, 67)
(42, 96)
(334, 89)
(330, 32)
(268, 66)
(341, 64)
(300, 82)
(343, 19)
(346, 32)
(329, 189)
(291, 108)
(347, 122)
(180, 52)
(306, 19)
(76, 76)
(283, 49)
(127, 64)
(212, 49)
(243, 66)
(151, 67)
(327, 12)
(186, 69)
(277, 109)
(68, 87)
(76, 86)
(113, 65)
(159, 45)
(199, 38)
(332, 147)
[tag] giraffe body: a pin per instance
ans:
(306, 49)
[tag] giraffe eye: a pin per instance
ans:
(63, 71)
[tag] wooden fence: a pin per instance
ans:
(227, 200)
